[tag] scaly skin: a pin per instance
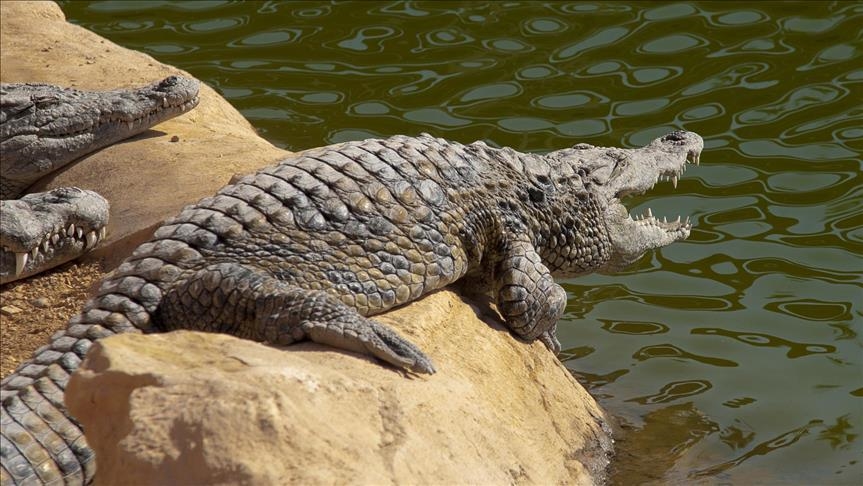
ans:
(311, 247)
(42, 129)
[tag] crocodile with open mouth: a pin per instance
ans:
(43, 128)
(311, 247)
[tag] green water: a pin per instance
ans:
(732, 358)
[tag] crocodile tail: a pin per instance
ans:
(39, 442)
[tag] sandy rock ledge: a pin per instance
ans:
(193, 408)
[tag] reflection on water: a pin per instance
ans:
(733, 357)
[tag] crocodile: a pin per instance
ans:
(310, 248)
(43, 128)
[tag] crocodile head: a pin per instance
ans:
(44, 127)
(46, 229)
(611, 175)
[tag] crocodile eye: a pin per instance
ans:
(619, 165)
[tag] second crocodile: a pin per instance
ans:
(43, 128)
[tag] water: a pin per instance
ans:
(732, 358)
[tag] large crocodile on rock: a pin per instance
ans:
(43, 128)
(310, 247)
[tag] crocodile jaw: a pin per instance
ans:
(632, 237)
(637, 172)
(42, 230)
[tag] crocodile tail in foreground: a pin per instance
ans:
(40, 442)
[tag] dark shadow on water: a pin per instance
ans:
(645, 455)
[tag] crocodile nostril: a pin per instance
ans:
(676, 136)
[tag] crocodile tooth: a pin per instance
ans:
(696, 157)
(664, 220)
(34, 252)
(103, 232)
(20, 262)
(45, 244)
(91, 239)
(649, 213)
(71, 229)
(674, 181)
(79, 233)
(62, 232)
(55, 238)
(677, 221)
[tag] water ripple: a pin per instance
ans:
(604, 37)
(738, 76)
(215, 25)
(675, 391)
(634, 328)
(673, 44)
(542, 26)
(795, 350)
(368, 39)
(792, 103)
(277, 37)
(671, 351)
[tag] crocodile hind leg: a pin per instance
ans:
(527, 296)
(239, 300)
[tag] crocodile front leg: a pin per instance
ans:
(248, 303)
(527, 296)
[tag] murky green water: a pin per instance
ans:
(732, 358)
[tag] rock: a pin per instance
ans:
(148, 178)
(193, 408)
(9, 310)
(40, 302)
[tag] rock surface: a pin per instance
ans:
(62, 291)
(193, 408)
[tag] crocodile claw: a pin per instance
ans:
(369, 337)
(394, 349)
(550, 340)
